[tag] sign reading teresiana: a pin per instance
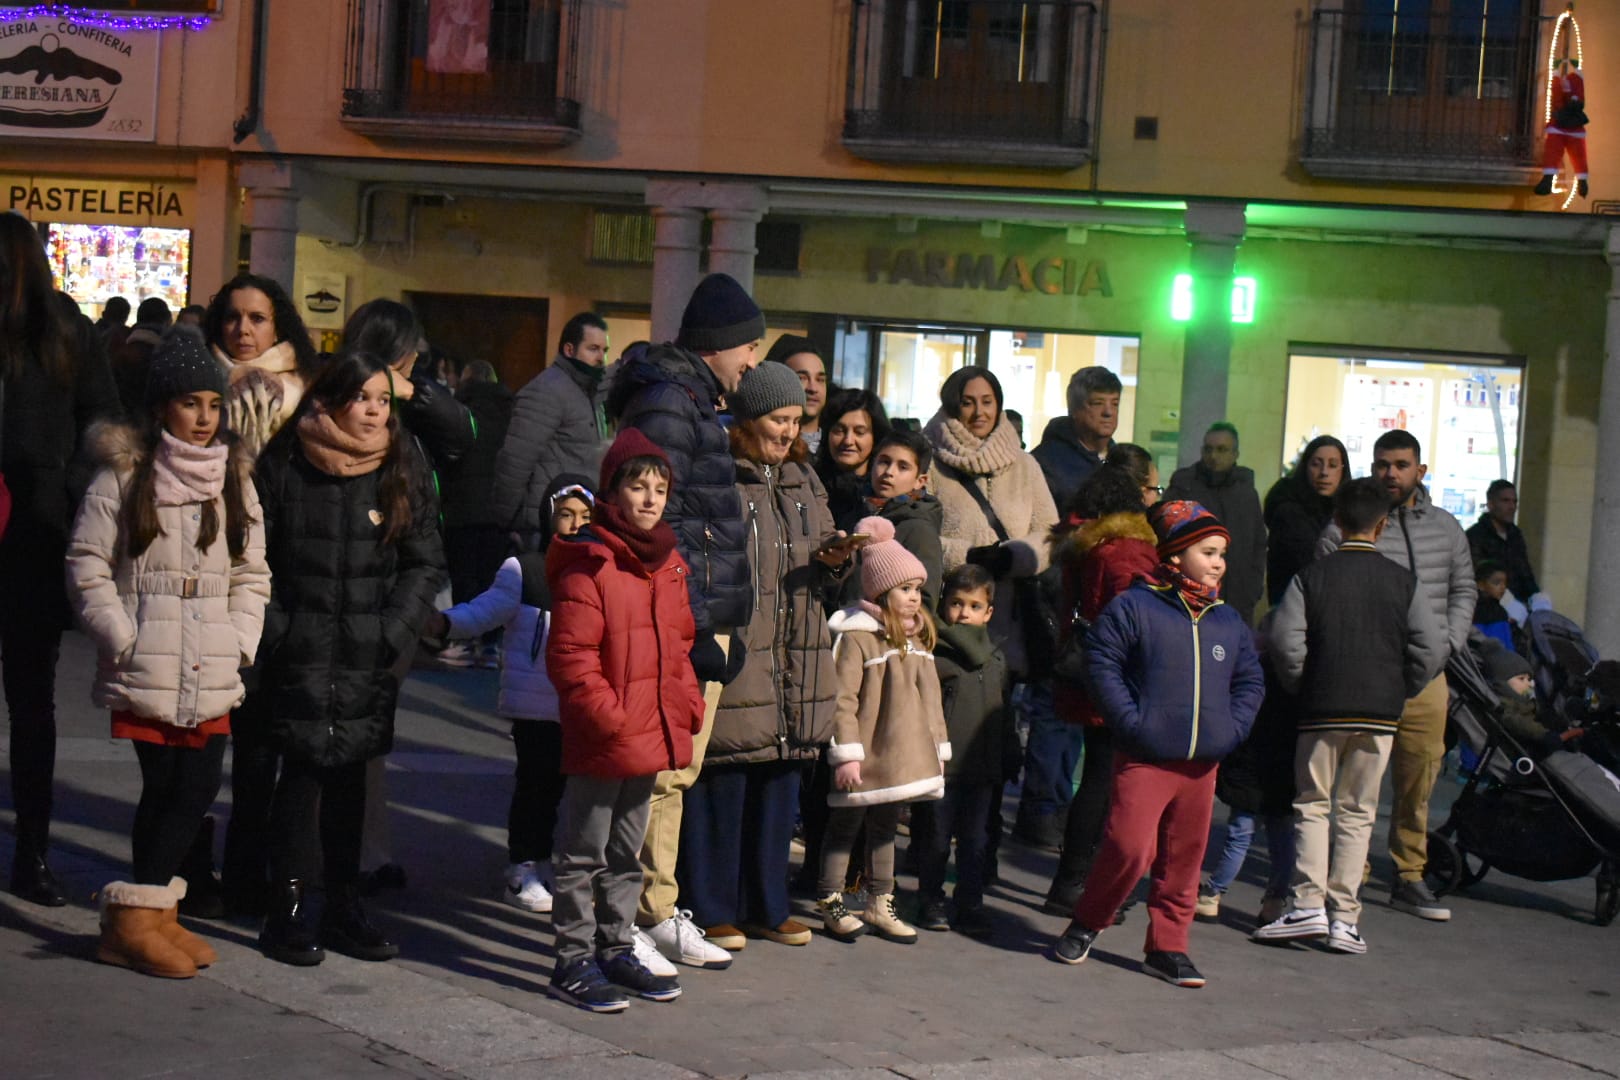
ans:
(63, 80)
(99, 202)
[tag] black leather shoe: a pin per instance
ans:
(287, 936)
(345, 928)
(204, 898)
(33, 881)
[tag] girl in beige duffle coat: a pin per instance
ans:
(167, 573)
(889, 740)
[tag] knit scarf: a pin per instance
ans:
(278, 358)
(1196, 594)
(965, 452)
(652, 546)
(185, 473)
(337, 453)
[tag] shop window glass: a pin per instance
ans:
(94, 263)
(1466, 413)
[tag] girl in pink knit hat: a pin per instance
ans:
(889, 739)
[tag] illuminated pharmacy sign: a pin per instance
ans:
(98, 202)
(62, 79)
(957, 270)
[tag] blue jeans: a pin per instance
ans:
(1239, 835)
(1051, 755)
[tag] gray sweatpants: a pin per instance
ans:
(598, 866)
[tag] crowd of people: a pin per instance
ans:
(737, 610)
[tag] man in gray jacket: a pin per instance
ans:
(1428, 541)
(558, 426)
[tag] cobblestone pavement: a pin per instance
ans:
(1519, 984)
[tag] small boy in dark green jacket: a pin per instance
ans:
(973, 685)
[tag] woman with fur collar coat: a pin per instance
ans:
(974, 444)
(256, 334)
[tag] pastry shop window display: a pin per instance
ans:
(94, 263)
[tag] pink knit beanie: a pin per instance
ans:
(885, 563)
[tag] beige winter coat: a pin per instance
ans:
(173, 627)
(1012, 481)
(890, 717)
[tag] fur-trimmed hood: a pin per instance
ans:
(1078, 542)
(120, 447)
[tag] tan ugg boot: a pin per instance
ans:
(885, 923)
(132, 918)
(202, 954)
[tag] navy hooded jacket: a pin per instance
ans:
(670, 395)
(1173, 686)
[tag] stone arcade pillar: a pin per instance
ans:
(678, 207)
(1602, 595)
(272, 215)
(1214, 231)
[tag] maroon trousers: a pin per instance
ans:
(1159, 820)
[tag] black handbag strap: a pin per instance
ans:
(971, 483)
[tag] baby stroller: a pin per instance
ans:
(1553, 819)
(1574, 685)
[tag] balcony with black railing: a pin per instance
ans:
(987, 82)
(1443, 92)
(409, 72)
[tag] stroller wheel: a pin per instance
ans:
(1445, 869)
(1608, 893)
(1474, 868)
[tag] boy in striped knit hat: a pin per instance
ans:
(1355, 638)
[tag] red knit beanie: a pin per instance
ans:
(1181, 524)
(885, 562)
(631, 443)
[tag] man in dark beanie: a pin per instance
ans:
(673, 393)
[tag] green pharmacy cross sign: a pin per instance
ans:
(1244, 291)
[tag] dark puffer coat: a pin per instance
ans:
(343, 605)
(470, 482)
(45, 422)
(617, 654)
(1065, 461)
(780, 707)
(1232, 498)
(1295, 517)
(556, 426)
(973, 687)
(670, 395)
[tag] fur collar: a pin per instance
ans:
(120, 447)
(278, 358)
(853, 618)
(1079, 542)
(965, 452)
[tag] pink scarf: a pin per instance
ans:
(184, 473)
(912, 626)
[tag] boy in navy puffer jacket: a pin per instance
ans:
(1176, 678)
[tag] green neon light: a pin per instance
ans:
(1245, 290)
(1181, 298)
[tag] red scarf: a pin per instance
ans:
(1197, 596)
(651, 546)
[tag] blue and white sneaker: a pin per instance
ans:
(626, 971)
(583, 985)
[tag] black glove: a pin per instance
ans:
(709, 660)
(735, 659)
(995, 558)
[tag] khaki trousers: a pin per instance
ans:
(1420, 744)
(1337, 775)
(662, 847)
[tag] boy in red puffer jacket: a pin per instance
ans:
(629, 704)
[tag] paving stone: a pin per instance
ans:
(1597, 1051)
(1178, 1065)
(1483, 1059)
(1333, 1061)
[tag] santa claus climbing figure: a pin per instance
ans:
(1566, 133)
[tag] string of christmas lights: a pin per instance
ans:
(104, 20)
(1567, 16)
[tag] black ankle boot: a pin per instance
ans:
(32, 880)
(345, 928)
(204, 899)
(288, 935)
(1544, 187)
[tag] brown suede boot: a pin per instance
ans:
(202, 954)
(132, 918)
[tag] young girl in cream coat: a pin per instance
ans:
(889, 738)
(167, 572)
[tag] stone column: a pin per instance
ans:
(1214, 230)
(677, 238)
(731, 244)
(1602, 597)
(272, 219)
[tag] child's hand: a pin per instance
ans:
(437, 626)
(847, 777)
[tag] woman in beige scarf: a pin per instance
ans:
(255, 332)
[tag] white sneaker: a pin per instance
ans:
(525, 889)
(1344, 937)
(648, 954)
(457, 655)
(1295, 924)
(681, 940)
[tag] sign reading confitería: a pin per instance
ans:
(60, 80)
(98, 202)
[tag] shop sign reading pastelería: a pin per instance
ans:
(61, 80)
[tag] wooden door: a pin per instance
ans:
(508, 331)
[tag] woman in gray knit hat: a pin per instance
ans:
(777, 714)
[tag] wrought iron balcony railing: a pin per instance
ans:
(405, 75)
(989, 82)
(1443, 95)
